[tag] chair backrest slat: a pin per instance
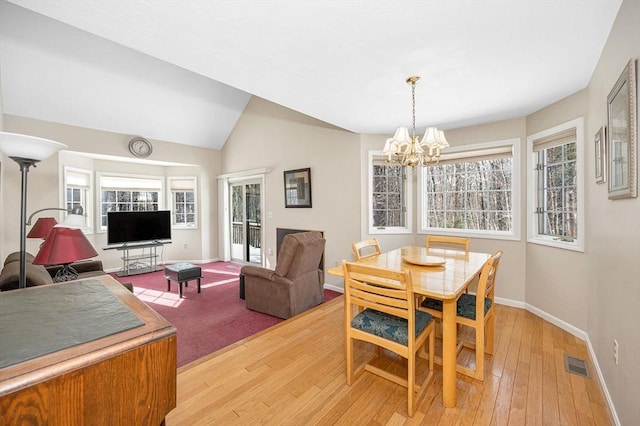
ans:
(486, 284)
(446, 241)
(381, 289)
(366, 248)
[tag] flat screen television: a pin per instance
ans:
(130, 227)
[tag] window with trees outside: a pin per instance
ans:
(128, 193)
(388, 201)
(183, 200)
(77, 187)
(470, 191)
(555, 186)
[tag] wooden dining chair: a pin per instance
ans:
(476, 311)
(366, 248)
(446, 241)
(380, 309)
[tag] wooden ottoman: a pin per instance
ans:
(182, 273)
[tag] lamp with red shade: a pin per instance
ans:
(64, 246)
(42, 227)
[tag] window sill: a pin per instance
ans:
(552, 242)
(388, 231)
(472, 234)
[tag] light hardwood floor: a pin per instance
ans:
(294, 374)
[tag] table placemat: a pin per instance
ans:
(42, 320)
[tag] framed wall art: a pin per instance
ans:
(622, 143)
(600, 143)
(297, 188)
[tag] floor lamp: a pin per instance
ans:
(26, 151)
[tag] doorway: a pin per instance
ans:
(246, 222)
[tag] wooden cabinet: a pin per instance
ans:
(124, 378)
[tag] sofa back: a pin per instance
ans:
(10, 275)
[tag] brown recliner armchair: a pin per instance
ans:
(296, 285)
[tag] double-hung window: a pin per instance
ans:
(183, 201)
(77, 191)
(388, 196)
(555, 186)
(128, 193)
(472, 191)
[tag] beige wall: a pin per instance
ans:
(274, 137)
(45, 183)
(611, 284)
(557, 278)
(3, 164)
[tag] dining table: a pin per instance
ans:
(441, 274)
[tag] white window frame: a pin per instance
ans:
(105, 175)
(459, 151)
(533, 236)
(407, 228)
(191, 187)
(87, 202)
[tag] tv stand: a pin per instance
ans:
(142, 263)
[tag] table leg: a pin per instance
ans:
(198, 285)
(180, 285)
(449, 354)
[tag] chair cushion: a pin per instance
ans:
(466, 305)
(389, 326)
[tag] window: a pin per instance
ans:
(183, 201)
(388, 201)
(555, 186)
(128, 193)
(77, 187)
(471, 191)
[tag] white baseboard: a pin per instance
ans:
(557, 322)
(333, 287)
(607, 395)
(509, 302)
(581, 334)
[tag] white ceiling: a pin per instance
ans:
(183, 71)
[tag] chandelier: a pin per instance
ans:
(408, 150)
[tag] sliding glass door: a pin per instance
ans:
(246, 222)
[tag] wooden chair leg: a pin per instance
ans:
(411, 384)
(479, 374)
(432, 350)
(349, 356)
(490, 335)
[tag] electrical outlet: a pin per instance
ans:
(615, 351)
(186, 246)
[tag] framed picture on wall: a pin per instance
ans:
(600, 142)
(622, 149)
(297, 188)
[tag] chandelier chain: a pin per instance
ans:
(413, 112)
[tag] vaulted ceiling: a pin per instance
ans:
(183, 71)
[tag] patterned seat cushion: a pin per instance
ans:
(466, 305)
(389, 326)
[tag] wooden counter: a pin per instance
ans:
(124, 377)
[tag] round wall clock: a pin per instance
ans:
(140, 147)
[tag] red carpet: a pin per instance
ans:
(208, 321)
